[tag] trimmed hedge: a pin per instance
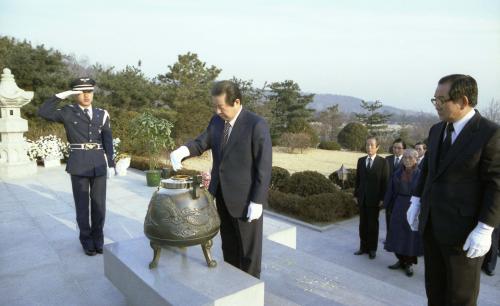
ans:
(324, 207)
(329, 145)
(349, 183)
(308, 183)
(279, 177)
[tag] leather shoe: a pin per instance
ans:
(409, 271)
(395, 266)
(488, 272)
(90, 252)
(359, 252)
(372, 254)
(98, 251)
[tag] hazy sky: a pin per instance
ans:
(393, 50)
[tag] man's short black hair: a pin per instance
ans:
(461, 85)
(229, 88)
(421, 143)
(401, 141)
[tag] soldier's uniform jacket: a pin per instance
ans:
(80, 130)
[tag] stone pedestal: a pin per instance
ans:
(181, 278)
(14, 161)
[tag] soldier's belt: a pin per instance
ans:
(85, 146)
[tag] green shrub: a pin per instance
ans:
(353, 136)
(348, 184)
(142, 163)
(324, 207)
(287, 203)
(279, 177)
(308, 183)
(329, 145)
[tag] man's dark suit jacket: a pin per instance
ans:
(371, 184)
(243, 167)
(464, 188)
(390, 162)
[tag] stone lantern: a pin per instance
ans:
(14, 161)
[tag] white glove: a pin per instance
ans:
(63, 95)
(254, 211)
(177, 156)
(413, 212)
(111, 172)
(479, 241)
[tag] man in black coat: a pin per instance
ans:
(241, 173)
(372, 175)
(456, 204)
(394, 162)
(91, 153)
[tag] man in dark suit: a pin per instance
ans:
(372, 175)
(421, 148)
(456, 204)
(241, 173)
(91, 153)
(394, 162)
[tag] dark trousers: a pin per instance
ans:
(490, 259)
(368, 227)
(451, 278)
(241, 240)
(90, 194)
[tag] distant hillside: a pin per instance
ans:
(348, 104)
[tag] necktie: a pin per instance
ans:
(447, 141)
(369, 163)
(226, 133)
(86, 111)
(396, 162)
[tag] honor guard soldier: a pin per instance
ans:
(91, 153)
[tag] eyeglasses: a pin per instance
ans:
(440, 101)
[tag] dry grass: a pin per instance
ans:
(323, 161)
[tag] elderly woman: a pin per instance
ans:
(405, 243)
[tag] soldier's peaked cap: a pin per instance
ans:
(82, 84)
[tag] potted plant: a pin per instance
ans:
(152, 134)
(48, 149)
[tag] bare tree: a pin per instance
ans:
(492, 111)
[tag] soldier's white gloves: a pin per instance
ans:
(63, 95)
(479, 241)
(177, 156)
(254, 211)
(111, 172)
(413, 212)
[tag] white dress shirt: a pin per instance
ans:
(459, 125)
(89, 108)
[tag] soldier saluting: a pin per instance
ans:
(91, 153)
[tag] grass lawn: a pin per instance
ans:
(323, 161)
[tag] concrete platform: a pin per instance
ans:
(181, 278)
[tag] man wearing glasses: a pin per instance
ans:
(456, 203)
(91, 152)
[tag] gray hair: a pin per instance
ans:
(412, 152)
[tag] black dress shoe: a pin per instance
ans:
(396, 266)
(359, 252)
(488, 272)
(98, 251)
(409, 271)
(90, 252)
(372, 254)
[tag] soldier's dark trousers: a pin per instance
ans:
(90, 197)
